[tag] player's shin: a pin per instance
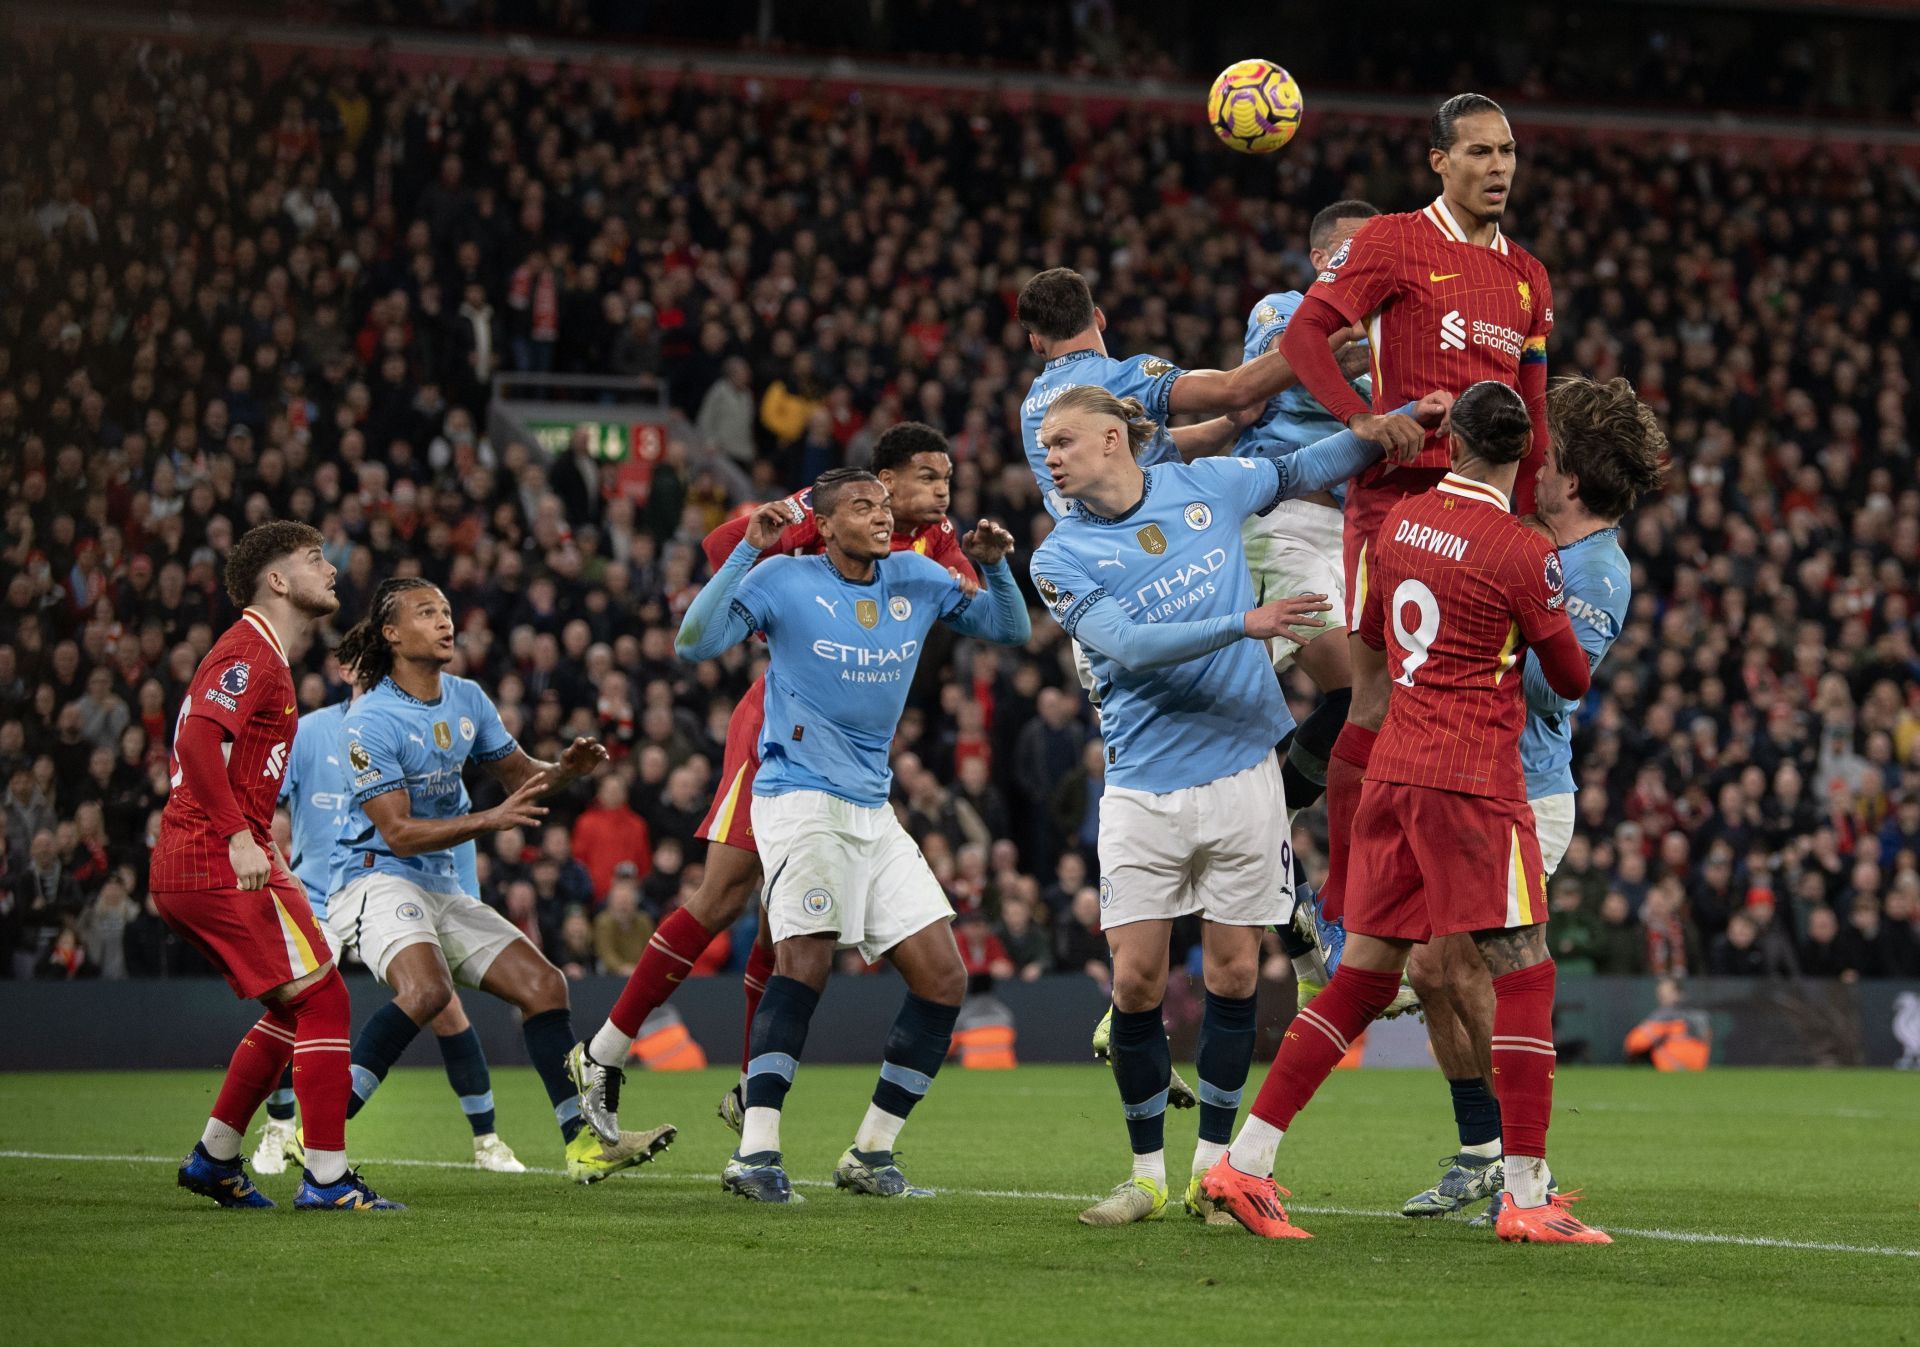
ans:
(1143, 1067)
(1346, 774)
(322, 1015)
(1523, 1064)
(549, 1038)
(779, 1035)
(753, 985)
(1476, 1114)
(466, 1063)
(383, 1038)
(1224, 1057)
(1320, 1035)
(1304, 770)
(252, 1074)
(668, 958)
(918, 1043)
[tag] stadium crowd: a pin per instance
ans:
(228, 295)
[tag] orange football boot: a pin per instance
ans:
(1548, 1223)
(1255, 1203)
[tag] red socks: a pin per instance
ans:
(254, 1071)
(321, 1081)
(668, 959)
(1346, 773)
(1319, 1037)
(1523, 1057)
(754, 982)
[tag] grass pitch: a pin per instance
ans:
(1749, 1206)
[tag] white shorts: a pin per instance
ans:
(379, 915)
(1553, 825)
(842, 868)
(1219, 849)
(1295, 548)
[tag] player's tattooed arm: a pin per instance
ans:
(1513, 948)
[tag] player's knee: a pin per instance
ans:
(717, 907)
(422, 999)
(1428, 975)
(1137, 989)
(945, 984)
(1236, 977)
(546, 989)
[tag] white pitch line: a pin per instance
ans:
(1029, 1195)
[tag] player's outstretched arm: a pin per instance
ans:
(1003, 617)
(714, 621)
(1214, 392)
(582, 758)
(405, 835)
(1331, 461)
(1101, 626)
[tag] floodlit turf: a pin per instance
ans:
(109, 1250)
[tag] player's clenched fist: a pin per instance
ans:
(763, 529)
(987, 543)
(250, 864)
(1295, 619)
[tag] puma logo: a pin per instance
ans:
(1114, 560)
(830, 607)
(1607, 580)
(1435, 277)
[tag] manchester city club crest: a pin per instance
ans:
(900, 607)
(1152, 539)
(1198, 516)
(867, 613)
(818, 902)
(466, 728)
(443, 734)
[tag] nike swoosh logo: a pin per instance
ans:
(1450, 276)
(288, 711)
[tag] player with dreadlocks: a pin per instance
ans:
(397, 898)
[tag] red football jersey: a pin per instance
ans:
(1440, 312)
(1458, 589)
(244, 685)
(938, 541)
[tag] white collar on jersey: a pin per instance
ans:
(1456, 485)
(1443, 220)
(262, 625)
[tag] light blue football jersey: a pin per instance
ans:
(842, 658)
(1599, 586)
(1147, 377)
(1293, 418)
(314, 790)
(394, 741)
(1174, 557)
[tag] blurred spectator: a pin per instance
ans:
(621, 930)
(573, 953)
(1078, 945)
(1025, 943)
(608, 833)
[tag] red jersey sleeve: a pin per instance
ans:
(719, 544)
(226, 690)
(1366, 272)
(1535, 588)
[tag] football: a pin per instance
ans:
(1254, 106)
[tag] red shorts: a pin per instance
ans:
(259, 939)
(1366, 507)
(1428, 862)
(730, 819)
